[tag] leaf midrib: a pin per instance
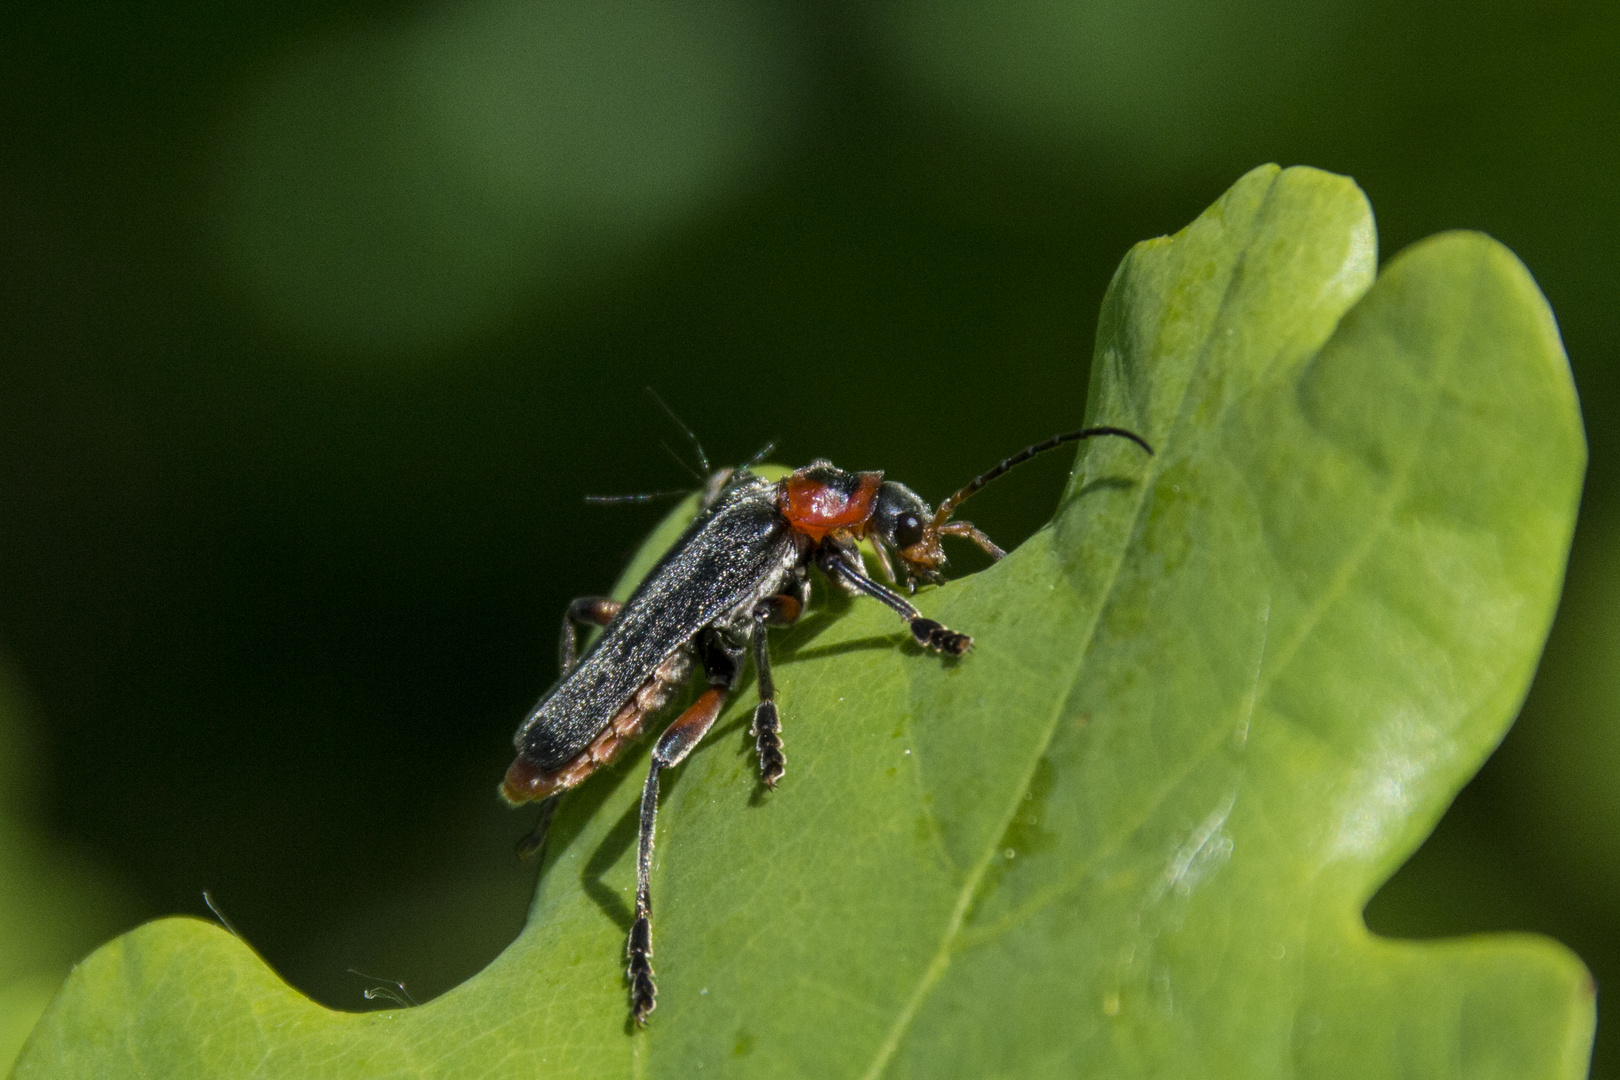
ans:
(936, 967)
(1398, 486)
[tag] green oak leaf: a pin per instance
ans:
(54, 902)
(1211, 707)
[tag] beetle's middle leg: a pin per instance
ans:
(586, 611)
(677, 741)
(779, 610)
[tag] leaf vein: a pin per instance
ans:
(953, 927)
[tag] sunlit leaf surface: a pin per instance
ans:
(54, 902)
(1209, 710)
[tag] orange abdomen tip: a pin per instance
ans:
(527, 782)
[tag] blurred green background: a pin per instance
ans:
(318, 320)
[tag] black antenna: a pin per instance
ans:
(948, 507)
(759, 456)
(639, 497)
(703, 459)
(685, 468)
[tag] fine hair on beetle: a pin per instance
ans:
(741, 567)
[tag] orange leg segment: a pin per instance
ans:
(586, 611)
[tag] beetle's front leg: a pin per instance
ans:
(586, 611)
(842, 568)
(779, 610)
(677, 741)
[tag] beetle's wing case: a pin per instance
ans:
(738, 551)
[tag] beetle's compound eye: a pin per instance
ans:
(908, 530)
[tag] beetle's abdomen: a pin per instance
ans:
(528, 782)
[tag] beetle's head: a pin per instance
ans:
(908, 526)
(904, 524)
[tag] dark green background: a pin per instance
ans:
(295, 419)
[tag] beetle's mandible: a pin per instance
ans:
(740, 567)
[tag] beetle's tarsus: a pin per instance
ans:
(939, 637)
(643, 991)
(768, 742)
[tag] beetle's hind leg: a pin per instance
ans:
(677, 741)
(586, 611)
(534, 844)
(779, 610)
